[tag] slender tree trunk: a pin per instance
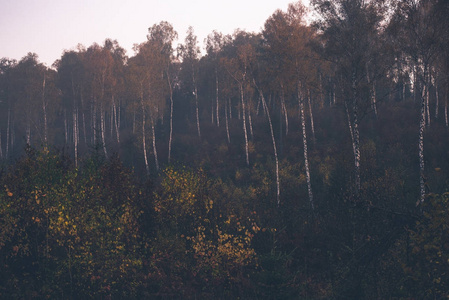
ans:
(304, 140)
(244, 125)
(356, 135)
(44, 110)
(212, 113)
(273, 140)
(117, 125)
(350, 127)
(170, 139)
(312, 126)
(75, 135)
(372, 91)
(422, 124)
(147, 167)
(445, 106)
(250, 121)
(284, 109)
(216, 93)
(66, 133)
(227, 123)
(156, 161)
(195, 91)
(103, 129)
(437, 99)
(426, 86)
(94, 121)
(404, 85)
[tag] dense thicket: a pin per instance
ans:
(304, 161)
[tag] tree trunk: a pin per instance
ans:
(284, 109)
(227, 123)
(116, 123)
(244, 125)
(170, 139)
(372, 91)
(350, 127)
(156, 161)
(422, 124)
(250, 121)
(426, 87)
(356, 141)
(147, 167)
(445, 107)
(312, 126)
(103, 129)
(437, 99)
(94, 122)
(304, 140)
(273, 140)
(75, 136)
(66, 133)
(44, 110)
(195, 92)
(216, 92)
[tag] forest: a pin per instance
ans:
(306, 161)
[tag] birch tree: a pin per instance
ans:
(164, 35)
(417, 29)
(190, 53)
(347, 28)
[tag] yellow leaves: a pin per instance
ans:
(8, 192)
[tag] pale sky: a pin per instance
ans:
(47, 27)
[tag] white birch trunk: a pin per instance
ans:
(75, 136)
(284, 109)
(94, 122)
(304, 140)
(103, 129)
(147, 167)
(312, 124)
(66, 133)
(116, 123)
(250, 121)
(437, 100)
(195, 92)
(350, 128)
(44, 110)
(156, 161)
(227, 123)
(356, 135)
(422, 124)
(170, 139)
(372, 92)
(273, 140)
(216, 92)
(426, 87)
(212, 113)
(244, 125)
(445, 107)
